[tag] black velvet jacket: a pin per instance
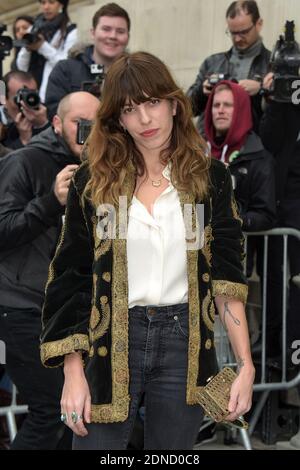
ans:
(86, 305)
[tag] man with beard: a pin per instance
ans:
(247, 62)
(33, 194)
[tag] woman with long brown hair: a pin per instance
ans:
(151, 243)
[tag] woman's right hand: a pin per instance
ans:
(76, 395)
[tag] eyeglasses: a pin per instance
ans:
(239, 33)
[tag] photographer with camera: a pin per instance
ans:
(26, 115)
(48, 42)
(86, 68)
(247, 62)
(20, 27)
(280, 133)
(34, 185)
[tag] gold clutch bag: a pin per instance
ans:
(214, 397)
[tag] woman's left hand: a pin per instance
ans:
(241, 393)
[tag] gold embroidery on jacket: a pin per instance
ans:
(61, 347)
(235, 211)
(194, 311)
(102, 351)
(101, 246)
(208, 311)
(95, 318)
(51, 272)
(234, 290)
(118, 409)
(106, 277)
(103, 323)
(208, 238)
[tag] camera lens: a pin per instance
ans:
(32, 99)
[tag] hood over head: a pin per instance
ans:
(241, 123)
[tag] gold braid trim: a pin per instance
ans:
(208, 311)
(61, 347)
(117, 412)
(101, 246)
(235, 210)
(118, 409)
(208, 238)
(95, 319)
(194, 310)
(101, 322)
(234, 290)
(51, 271)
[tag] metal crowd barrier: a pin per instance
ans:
(224, 353)
(10, 413)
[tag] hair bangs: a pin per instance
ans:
(138, 85)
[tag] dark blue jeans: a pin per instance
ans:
(158, 352)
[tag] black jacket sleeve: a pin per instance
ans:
(23, 214)
(68, 298)
(195, 92)
(59, 85)
(227, 244)
(273, 126)
(261, 210)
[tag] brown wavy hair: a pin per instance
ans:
(138, 77)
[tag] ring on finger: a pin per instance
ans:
(75, 417)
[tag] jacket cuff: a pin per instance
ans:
(52, 353)
(234, 290)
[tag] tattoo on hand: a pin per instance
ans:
(227, 311)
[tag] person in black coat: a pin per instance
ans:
(23, 121)
(110, 33)
(247, 61)
(34, 184)
(280, 133)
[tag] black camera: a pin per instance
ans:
(6, 43)
(216, 78)
(29, 97)
(94, 86)
(285, 63)
(84, 127)
(40, 26)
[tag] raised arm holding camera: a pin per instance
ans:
(246, 62)
(48, 41)
(280, 133)
(27, 116)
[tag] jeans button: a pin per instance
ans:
(175, 317)
(151, 311)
